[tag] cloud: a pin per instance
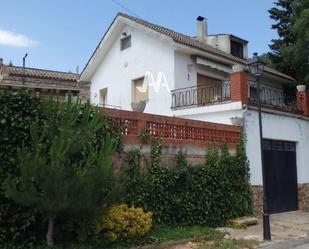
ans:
(10, 38)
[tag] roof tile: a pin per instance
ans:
(41, 73)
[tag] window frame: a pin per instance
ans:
(233, 49)
(122, 40)
(105, 90)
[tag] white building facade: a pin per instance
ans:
(141, 66)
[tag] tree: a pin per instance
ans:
(290, 52)
(298, 52)
(63, 172)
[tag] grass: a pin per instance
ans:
(161, 234)
(156, 236)
(164, 233)
(208, 238)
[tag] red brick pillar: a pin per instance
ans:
(239, 86)
(303, 102)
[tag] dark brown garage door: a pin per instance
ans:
(281, 175)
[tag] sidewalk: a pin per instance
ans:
(285, 228)
(291, 244)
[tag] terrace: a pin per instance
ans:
(272, 97)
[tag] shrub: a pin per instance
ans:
(50, 179)
(18, 112)
(209, 194)
(123, 222)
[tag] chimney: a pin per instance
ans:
(201, 29)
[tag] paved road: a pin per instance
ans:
(291, 244)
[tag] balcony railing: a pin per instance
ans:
(201, 95)
(274, 98)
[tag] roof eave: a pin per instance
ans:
(84, 74)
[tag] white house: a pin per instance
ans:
(142, 66)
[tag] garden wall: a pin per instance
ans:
(191, 136)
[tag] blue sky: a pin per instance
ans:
(61, 34)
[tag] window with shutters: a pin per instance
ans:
(139, 91)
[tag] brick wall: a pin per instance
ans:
(190, 136)
(178, 132)
(239, 86)
(303, 102)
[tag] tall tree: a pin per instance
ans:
(298, 52)
(64, 173)
(282, 14)
(289, 53)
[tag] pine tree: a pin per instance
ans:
(64, 173)
(298, 52)
(290, 52)
(282, 14)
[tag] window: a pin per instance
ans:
(140, 90)
(103, 96)
(237, 49)
(253, 93)
(125, 43)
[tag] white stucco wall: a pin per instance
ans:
(277, 127)
(150, 52)
(221, 42)
(217, 113)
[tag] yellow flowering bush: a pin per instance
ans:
(123, 222)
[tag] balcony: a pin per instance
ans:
(272, 97)
(275, 98)
(201, 95)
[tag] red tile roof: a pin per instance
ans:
(40, 73)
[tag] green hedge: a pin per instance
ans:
(18, 110)
(180, 194)
(209, 194)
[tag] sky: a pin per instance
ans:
(62, 34)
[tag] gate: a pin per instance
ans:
(281, 175)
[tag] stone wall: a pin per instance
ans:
(257, 193)
(257, 197)
(303, 197)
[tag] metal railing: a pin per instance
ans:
(201, 95)
(274, 97)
